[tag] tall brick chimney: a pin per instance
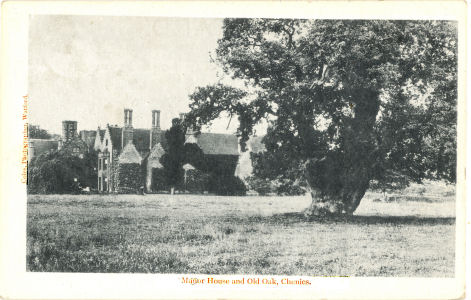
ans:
(69, 130)
(155, 130)
(156, 119)
(128, 130)
(127, 117)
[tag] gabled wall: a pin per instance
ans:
(129, 155)
(97, 146)
(106, 152)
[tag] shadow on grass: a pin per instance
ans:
(299, 217)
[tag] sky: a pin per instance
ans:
(89, 68)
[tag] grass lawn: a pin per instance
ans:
(237, 235)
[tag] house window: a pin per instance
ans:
(106, 142)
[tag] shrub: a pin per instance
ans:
(227, 185)
(159, 182)
(58, 172)
(290, 189)
(265, 186)
(196, 181)
(260, 185)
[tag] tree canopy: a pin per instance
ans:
(178, 153)
(346, 101)
(174, 156)
(36, 132)
(61, 172)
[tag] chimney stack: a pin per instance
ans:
(155, 133)
(69, 130)
(156, 119)
(127, 117)
(128, 131)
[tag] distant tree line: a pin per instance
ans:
(36, 132)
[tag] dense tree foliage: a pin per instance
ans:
(174, 156)
(89, 178)
(35, 132)
(178, 153)
(216, 173)
(60, 172)
(346, 101)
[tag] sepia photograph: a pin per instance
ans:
(242, 146)
(285, 154)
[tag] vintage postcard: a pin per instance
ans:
(239, 150)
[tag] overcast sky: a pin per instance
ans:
(89, 68)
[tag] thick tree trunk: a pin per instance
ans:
(344, 204)
(345, 191)
(339, 180)
(353, 196)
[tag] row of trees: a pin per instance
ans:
(347, 102)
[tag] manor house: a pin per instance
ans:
(127, 156)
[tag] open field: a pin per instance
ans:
(238, 235)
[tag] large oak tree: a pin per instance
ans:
(346, 101)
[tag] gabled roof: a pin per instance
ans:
(155, 155)
(210, 143)
(129, 155)
(191, 139)
(115, 135)
(102, 134)
(218, 144)
(157, 152)
(187, 167)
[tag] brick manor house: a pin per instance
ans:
(127, 153)
(128, 157)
